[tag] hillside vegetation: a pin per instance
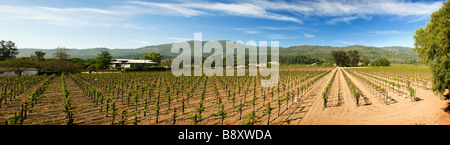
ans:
(394, 54)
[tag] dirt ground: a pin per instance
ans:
(307, 110)
(426, 111)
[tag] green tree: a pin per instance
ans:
(353, 58)
(77, 60)
(340, 57)
(61, 53)
(18, 65)
(168, 62)
(381, 62)
(60, 66)
(432, 44)
(156, 57)
(103, 60)
(297, 59)
(365, 60)
(89, 64)
(8, 50)
(38, 55)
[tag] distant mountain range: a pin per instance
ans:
(394, 54)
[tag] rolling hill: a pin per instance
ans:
(394, 54)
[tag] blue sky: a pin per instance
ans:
(138, 23)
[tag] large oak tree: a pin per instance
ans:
(340, 58)
(18, 65)
(8, 50)
(353, 57)
(61, 53)
(433, 46)
(103, 60)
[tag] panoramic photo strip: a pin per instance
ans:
(204, 64)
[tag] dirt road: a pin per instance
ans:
(426, 111)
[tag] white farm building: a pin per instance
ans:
(130, 63)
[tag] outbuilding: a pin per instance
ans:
(130, 63)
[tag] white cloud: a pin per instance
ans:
(357, 7)
(351, 10)
(145, 42)
(180, 39)
(389, 32)
(242, 9)
(345, 42)
(309, 36)
(333, 11)
(87, 10)
(136, 27)
(341, 19)
(248, 31)
(280, 28)
(61, 16)
(348, 10)
(339, 10)
(298, 7)
(235, 9)
(164, 8)
(402, 8)
(279, 36)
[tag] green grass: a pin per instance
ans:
(48, 121)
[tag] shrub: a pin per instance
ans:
(147, 68)
(381, 62)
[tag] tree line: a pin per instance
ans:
(61, 61)
(352, 59)
(432, 44)
(298, 59)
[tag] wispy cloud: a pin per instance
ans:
(355, 42)
(61, 16)
(248, 31)
(348, 10)
(280, 28)
(271, 30)
(242, 9)
(179, 39)
(136, 27)
(341, 19)
(292, 11)
(98, 24)
(309, 36)
(345, 42)
(279, 36)
(165, 8)
(390, 32)
(339, 11)
(235, 9)
(144, 42)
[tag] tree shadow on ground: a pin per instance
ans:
(447, 109)
(447, 97)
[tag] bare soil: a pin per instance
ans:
(307, 110)
(404, 112)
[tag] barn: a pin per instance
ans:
(130, 63)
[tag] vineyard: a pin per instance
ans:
(304, 95)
